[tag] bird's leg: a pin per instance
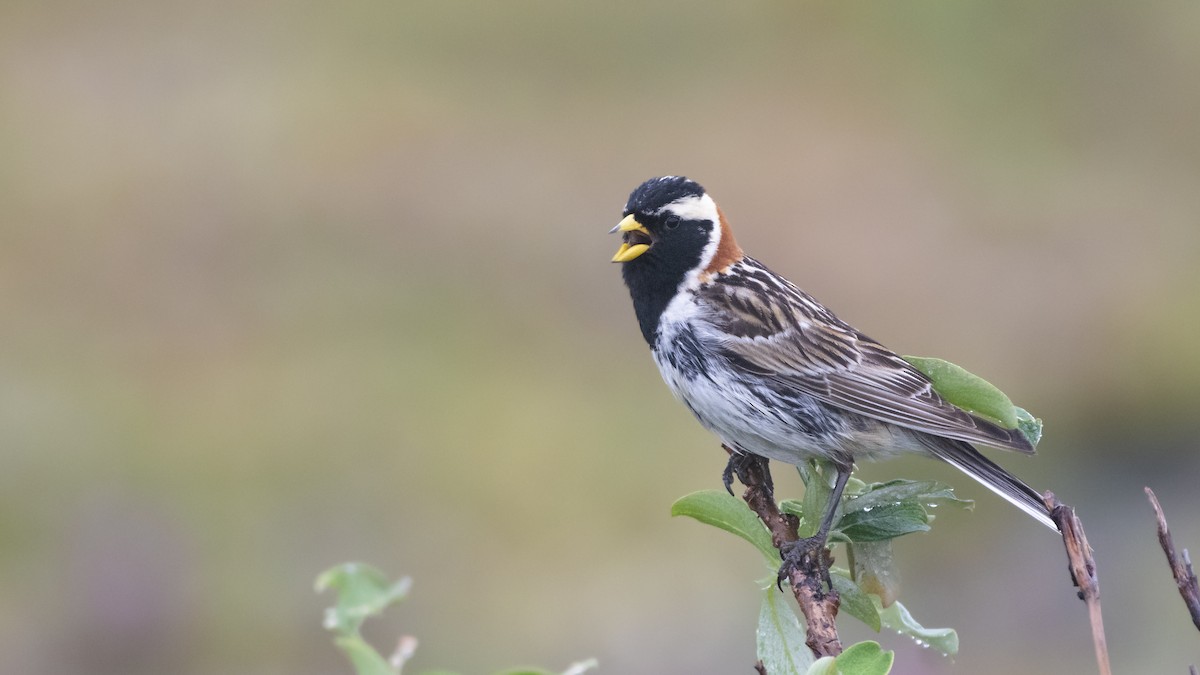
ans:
(742, 462)
(810, 552)
(727, 474)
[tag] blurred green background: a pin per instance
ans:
(287, 284)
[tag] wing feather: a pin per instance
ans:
(816, 352)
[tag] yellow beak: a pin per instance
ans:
(628, 251)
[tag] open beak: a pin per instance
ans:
(637, 239)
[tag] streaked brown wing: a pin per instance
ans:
(783, 334)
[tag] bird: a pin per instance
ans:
(773, 372)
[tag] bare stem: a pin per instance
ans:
(1185, 577)
(1083, 572)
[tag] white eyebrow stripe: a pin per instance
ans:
(693, 208)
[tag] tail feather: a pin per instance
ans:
(967, 459)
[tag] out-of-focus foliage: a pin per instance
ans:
(975, 394)
(967, 390)
(284, 284)
(364, 592)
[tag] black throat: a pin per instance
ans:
(653, 282)
(675, 249)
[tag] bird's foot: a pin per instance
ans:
(810, 556)
(750, 469)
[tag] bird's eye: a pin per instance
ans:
(671, 222)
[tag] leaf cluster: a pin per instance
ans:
(363, 592)
(870, 516)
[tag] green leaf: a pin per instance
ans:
(720, 509)
(362, 592)
(854, 601)
(793, 507)
(885, 521)
(1029, 425)
(967, 391)
(525, 671)
(927, 493)
(897, 618)
(874, 568)
(781, 645)
(826, 665)
(363, 656)
(854, 486)
(865, 658)
(817, 491)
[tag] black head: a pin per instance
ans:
(668, 220)
(671, 232)
(657, 193)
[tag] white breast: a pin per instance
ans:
(746, 411)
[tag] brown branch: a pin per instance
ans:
(818, 603)
(1083, 572)
(1185, 577)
